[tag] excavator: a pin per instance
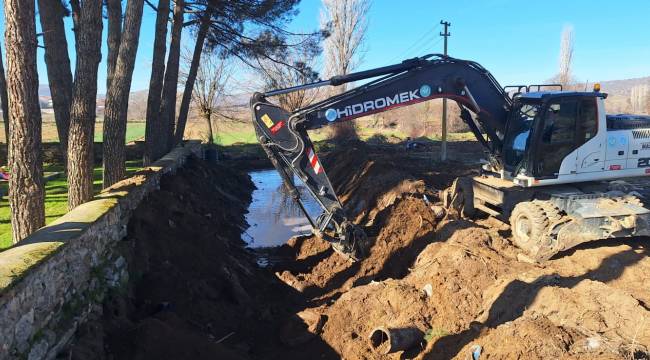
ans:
(558, 169)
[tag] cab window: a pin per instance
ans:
(588, 120)
(560, 122)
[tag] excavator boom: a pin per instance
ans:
(284, 137)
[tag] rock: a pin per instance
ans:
(525, 259)
(119, 263)
(438, 211)
(38, 351)
(291, 280)
(428, 290)
(24, 329)
(593, 343)
(314, 320)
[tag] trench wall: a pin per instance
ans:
(52, 280)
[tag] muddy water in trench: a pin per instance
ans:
(272, 215)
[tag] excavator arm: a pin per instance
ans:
(283, 135)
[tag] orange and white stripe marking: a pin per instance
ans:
(313, 161)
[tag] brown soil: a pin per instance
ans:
(195, 292)
(457, 283)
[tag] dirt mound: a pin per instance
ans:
(457, 272)
(398, 220)
(459, 282)
(368, 186)
(463, 292)
(523, 338)
(356, 313)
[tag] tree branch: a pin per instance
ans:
(152, 6)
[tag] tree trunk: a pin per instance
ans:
(154, 127)
(114, 12)
(26, 186)
(4, 100)
(343, 131)
(117, 98)
(170, 87)
(207, 116)
(191, 77)
(59, 75)
(83, 108)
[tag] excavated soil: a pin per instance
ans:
(455, 285)
(458, 282)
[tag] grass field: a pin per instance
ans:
(228, 133)
(233, 133)
(56, 198)
(134, 131)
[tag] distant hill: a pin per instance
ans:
(44, 90)
(618, 101)
(622, 87)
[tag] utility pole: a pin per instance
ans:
(443, 147)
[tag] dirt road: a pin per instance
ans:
(454, 286)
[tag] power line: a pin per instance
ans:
(423, 49)
(425, 36)
(433, 46)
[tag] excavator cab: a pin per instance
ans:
(544, 128)
(517, 136)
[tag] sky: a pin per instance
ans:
(518, 41)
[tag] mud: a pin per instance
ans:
(196, 293)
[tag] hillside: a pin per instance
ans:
(622, 87)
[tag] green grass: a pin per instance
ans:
(56, 198)
(134, 131)
(245, 134)
(237, 136)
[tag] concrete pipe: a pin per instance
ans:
(386, 340)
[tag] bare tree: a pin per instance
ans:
(117, 98)
(170, 86)
(242, 29)
(4, 99)
(114, 12)
(59, 74)
(565, 76)
(639, 98)
(209, 88)
(155, 127)
(277, 75)
(347, 23)
(26, 185)
(88, 34)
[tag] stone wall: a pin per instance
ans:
(52, 280)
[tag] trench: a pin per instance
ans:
(201, 288)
